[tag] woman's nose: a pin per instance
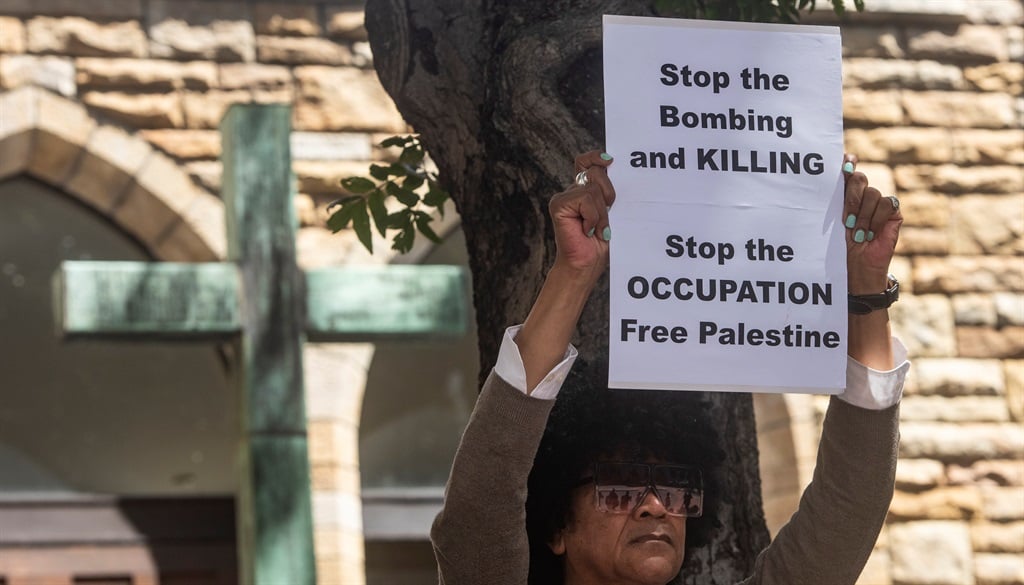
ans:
(651, 505)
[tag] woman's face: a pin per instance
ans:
(642, 547)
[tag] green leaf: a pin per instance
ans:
(412, 182)
(397, 141)
(361, 224)
(423, 224)
(400, 219)
(379, 172)
(435, 197)
(343, 201)
(358, 184)
(380, 213)
(403, 241)
(339, 219)
(404, 196)
(411, 156)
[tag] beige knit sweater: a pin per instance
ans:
(480, 535)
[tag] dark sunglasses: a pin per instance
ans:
(620, 487)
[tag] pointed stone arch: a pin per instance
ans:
(118, 174)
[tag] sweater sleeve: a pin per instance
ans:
(480, 534)
(832, 533)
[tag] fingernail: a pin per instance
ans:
(607, 234)
(590, 234)
(848, 167)
(871, 235)
(851, 220)
(858, 236)
(606, 156)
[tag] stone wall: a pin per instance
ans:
(933, 108)
(165, 71)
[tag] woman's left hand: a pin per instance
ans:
(872, 228)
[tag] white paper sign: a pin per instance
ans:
(728, 256)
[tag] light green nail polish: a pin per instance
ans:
(851, 220)
(607, 234)
(590, 234)
(871, 235)
(848, 167)
(606, 156)
(858, 236)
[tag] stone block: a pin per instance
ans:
(1004, 342)
(996, 11)
(989, 147)
(877, 569)
(80, 37)
(915, 145)
(156, 200)
(193, 29)
(881, 42)
(879, 176)
(998, 537)
(923, 240)
(966, 43)
(1015, 388)
(108, 165)
(896, 74)
(925, 209)
(955, 409)
(946, 503)
(1015, 40)
(53, 73)
(205, 219)
(12, 35)
(319, 248)
(205, 110)
(332, 146)
(273, 96)
(872, 108)
(1004, 473)
(959, 274)
(1002, 77)
(1003, 504)
(362, 55)
(206, 174)
(999, 569)
(1009, 308)
(988, 224)
(957, 179)
(144, 75)
(254, 76)
(959, 109)
(17, 128)
(63, 130)
(902, 268)
(322, 447)
(959, 377)
(931, 553)
(302, 51)
(961, 442)
(138, 110)
(286, 19)
(341, 98)
(318, 177)
(96, 9)
(305, 210)
(925, 324)
(337, 510)
(346, 23)
(186, 144)
(916, 475)
(974, 309)
(861, 142)
(335, 374)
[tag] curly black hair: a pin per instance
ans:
(588, 424)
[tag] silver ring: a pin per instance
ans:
(582, 179)
(895, 202)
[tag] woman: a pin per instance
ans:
(609, 497)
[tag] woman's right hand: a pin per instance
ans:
(580, 218)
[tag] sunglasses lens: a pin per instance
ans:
(618, 499)
(681, 489)
(621, 486)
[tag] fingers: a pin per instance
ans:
(592, 198)
(865, 211)
(594, 158)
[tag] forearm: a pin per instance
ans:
(870, 339)
(551, 323)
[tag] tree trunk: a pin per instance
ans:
(504, 94)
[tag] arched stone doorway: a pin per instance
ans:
(116, 459)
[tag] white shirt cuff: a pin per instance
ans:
(874, 389)
(511, 369)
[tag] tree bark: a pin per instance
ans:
(504, 94)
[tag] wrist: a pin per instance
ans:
(867, 283)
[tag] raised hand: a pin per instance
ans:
(872, 229)
(580, 217)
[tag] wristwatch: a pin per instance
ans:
(864, 304)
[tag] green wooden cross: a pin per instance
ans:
(261, 298)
